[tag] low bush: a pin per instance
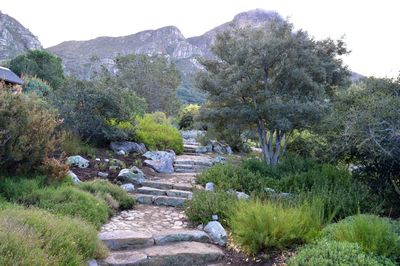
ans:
(328, 253)
(73, 145)
(28, 131)
(36, 85)
(206, 203)
(70, 201)
(187, 116)
(105, 189)
(229, 176)
(380, 236)
(258, 226)
(156, 134)
(13, 188)
(35, 237)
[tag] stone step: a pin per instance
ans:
(207, 163)
(129, 240)
(184, 166)
(161, 192)
(167, 185)
(184, 170)
(181, 253)
(160, 200)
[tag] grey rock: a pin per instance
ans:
(128, 147)
(209, 147)
(128, 187)
(269, 190)
(169, 201)
(217, 233)
(160, 161)
(210, 186)
(98, 160)
(144, 199)
(134, 176)
(201, 149)
(218, 149)
(228, 149)
(102, 174)
(74, 178)
(122, 240)
(214, 217)
(92, 263)
(121, 152)
(78, 160)
(242, 196)
(181, 235)
(191, 134)
(219, 160)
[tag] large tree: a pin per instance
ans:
(152, 77)
(41, 64)
(273, 79)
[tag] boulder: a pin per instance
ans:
(160, 161)
(102, 174)
(210, 186)
(74, 178)
(219, 160)
(201, 149)
(78, 160)
(133, 176)
(217, 233)
(242, 196)
(128, 147)
(121, 152)
(128, 187)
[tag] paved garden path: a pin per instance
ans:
(156, 231)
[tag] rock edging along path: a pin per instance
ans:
(157, 232)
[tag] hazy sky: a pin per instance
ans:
(371, 28)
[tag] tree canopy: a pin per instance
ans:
(153, 78)
(273, 79)
(41, 64)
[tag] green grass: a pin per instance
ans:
(70, 201)
(380, 236)
(36, 237)
(259, 226)
(105, 189)
(328, 253)
(205, 203)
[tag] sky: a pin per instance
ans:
(370, 28)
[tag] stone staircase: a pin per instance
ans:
(175, 247)
(156, 231)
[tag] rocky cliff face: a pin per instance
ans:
(15, 39)
(83, 58)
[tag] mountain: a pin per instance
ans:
(83, 58)
(15, 39)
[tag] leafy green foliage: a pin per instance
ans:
(257, 225)
(72, 145)
(36, 85)
(187, 116)
(271, 78)
(27, 131)
(35, 237)
(87, 107)
(103, 188)
(380, 236)
(206, 203)
(13, 188)
(69, 201)
(41, 64)
(328, 252)
(149, 76)
(158, 134)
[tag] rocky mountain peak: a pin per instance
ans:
(254, 17)
(15, 39)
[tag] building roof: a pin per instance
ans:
(9, 76)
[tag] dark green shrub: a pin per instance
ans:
(41, 64)
(35, 237)
(258, 226)
(229, 176)
(13, 188)
(28, 131)
(328, 253)
(71, 201)
(157, 134)
(88, 106)
(380, 236)
(342, 194)
(205, 203)
(72, 145)
(36, 85)
(188, 115)
(104, 187)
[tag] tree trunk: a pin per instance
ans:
(276, 152)
(262, 133)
